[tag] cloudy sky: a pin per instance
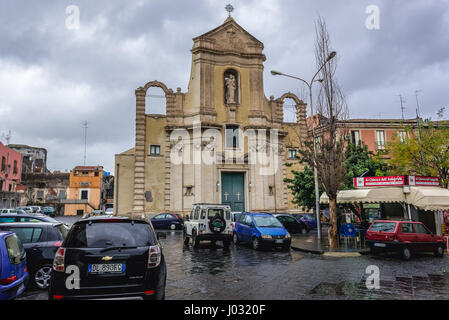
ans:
(53, 78)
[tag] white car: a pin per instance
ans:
(26, 209)
(208, 222)
(109, 211)
(8, 211)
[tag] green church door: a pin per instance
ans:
(232, 190)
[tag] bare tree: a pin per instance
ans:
(330, 133)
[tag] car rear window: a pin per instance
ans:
(14, 248)
(383, 226)
(105, 234)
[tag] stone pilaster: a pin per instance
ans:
(139, 162)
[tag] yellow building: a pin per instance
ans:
(84, 194)
(222, 141)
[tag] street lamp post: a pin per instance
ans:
(315, 170)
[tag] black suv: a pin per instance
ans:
(41, 240)
(114, 257)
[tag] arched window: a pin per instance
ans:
(231, 84)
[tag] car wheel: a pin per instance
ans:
(173, 226)
(256, 243)
(195, 241)
(406, 253)
(186, 238)
(439, 251)
(235, 238)
(42, 276)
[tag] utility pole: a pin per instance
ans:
(85, 139)
(419, 130)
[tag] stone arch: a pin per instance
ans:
(159, 84)
(300, 106)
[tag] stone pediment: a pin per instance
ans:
(229, 37)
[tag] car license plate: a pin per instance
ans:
(107, 268)
(278, 241)
(382, 245)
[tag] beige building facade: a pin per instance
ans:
(222, 141)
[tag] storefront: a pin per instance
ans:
(398, 197)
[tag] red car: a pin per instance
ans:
(404, 237)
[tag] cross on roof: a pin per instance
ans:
(229, 8)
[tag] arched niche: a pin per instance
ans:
(231, 86)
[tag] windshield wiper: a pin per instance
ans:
(117, 247)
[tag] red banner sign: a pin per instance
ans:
(423, 181)
(391, 181)
(379, 181)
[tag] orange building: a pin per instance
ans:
(85, 187)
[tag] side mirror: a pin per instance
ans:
(161, 235)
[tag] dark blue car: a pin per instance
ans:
(261, 230)
(13, 271)
(309, 220)
(167, 221)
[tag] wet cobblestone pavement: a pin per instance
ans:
(241, 273)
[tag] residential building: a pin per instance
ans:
(10, 176)
(34, 159)
(84, 193)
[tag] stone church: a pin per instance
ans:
(202, 149)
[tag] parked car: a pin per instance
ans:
(41, 241)
(95, 213)
(116, 257)
(403, 237)
(109, 211)
(8, 211)
(291, 224)
(234, 217)
(37, 209)
(25, 217)
(13, 269)
(26, 209)
(309, 220)
(261, 230)
(49, 211)
(208, 222)
(167, 221)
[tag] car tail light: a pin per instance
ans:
(58, 261)
(57, 244)
(154, 256)
(149, 292)
(26, 269)
(57, 297)
(9, 280)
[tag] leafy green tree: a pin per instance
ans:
(360, 161)
(407, 156)
(303, 188)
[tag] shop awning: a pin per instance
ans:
(375, 195)
(428, 198)
(424, 198)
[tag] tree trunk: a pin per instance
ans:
(333, 230)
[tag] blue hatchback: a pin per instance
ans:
(261, 230)
(13, 271)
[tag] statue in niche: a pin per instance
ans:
(231, 86)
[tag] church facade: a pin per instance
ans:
(222, 141)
